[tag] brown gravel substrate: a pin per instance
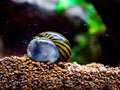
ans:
(21, 73)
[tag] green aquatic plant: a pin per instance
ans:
(86, 47)
(93, 20)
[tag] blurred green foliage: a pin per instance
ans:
(87, 47)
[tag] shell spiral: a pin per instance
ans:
(53, 43)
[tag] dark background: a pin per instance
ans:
(17, 28)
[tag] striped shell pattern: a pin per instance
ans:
(51, 42)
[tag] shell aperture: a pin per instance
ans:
(43, 50)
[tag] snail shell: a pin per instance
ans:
(49, 46)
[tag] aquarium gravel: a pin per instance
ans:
(22, 73)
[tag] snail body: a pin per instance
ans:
(49, 46)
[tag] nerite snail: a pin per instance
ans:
(49, 46)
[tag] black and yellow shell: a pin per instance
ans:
(61, 42)
(49, 46)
